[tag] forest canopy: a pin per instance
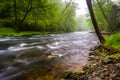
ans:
(38, 15)
(57, 15)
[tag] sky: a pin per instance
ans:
(82, 7)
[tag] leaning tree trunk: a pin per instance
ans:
(89, 4)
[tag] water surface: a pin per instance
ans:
(44, 57)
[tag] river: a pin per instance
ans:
(44, 57)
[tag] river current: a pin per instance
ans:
(44, 56)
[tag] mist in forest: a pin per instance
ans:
(81, 23)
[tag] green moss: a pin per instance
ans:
(114, 41)
(113, 56)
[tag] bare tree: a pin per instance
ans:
(100, 37)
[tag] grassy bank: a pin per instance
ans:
(9, 32)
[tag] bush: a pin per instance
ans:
(114, 41)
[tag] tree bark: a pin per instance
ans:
(100, 37)
(16, 18)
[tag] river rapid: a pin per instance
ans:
(44, 57)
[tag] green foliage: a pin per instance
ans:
(111, 20)
(81, 23)
(114, 41)
(106, 6)
(10, 32)
(38, 15)
(115, 18)
(6, 31)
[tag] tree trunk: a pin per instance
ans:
(16, 18)
(89, 4)
(63, 11)
(68, 4)
(103, 13)
(29, 7)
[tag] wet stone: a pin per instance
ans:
(92, 49)
(91, 57)
(94, 78)
(117, 65)
(107, 61)
(113, 75)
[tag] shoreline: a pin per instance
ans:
(104, 65)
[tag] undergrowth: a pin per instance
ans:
(113, 41)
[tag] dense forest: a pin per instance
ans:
(38, 15)
(56, 16)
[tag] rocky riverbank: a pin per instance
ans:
(104, 64)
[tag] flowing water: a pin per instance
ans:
(44, 57)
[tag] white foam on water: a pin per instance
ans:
(95, 42)
(7, 39)
(18, 48)
(4, 39)
(33, 38)
(57, 53)
(52, 47)
(23, 44)
(40, 47)
(56, 43)
(2, 51)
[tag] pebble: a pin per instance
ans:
(117, 65)
(107, 61)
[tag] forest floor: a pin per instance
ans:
(104, 64)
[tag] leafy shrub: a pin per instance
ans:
(114, 41)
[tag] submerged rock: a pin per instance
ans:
(51, 56)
